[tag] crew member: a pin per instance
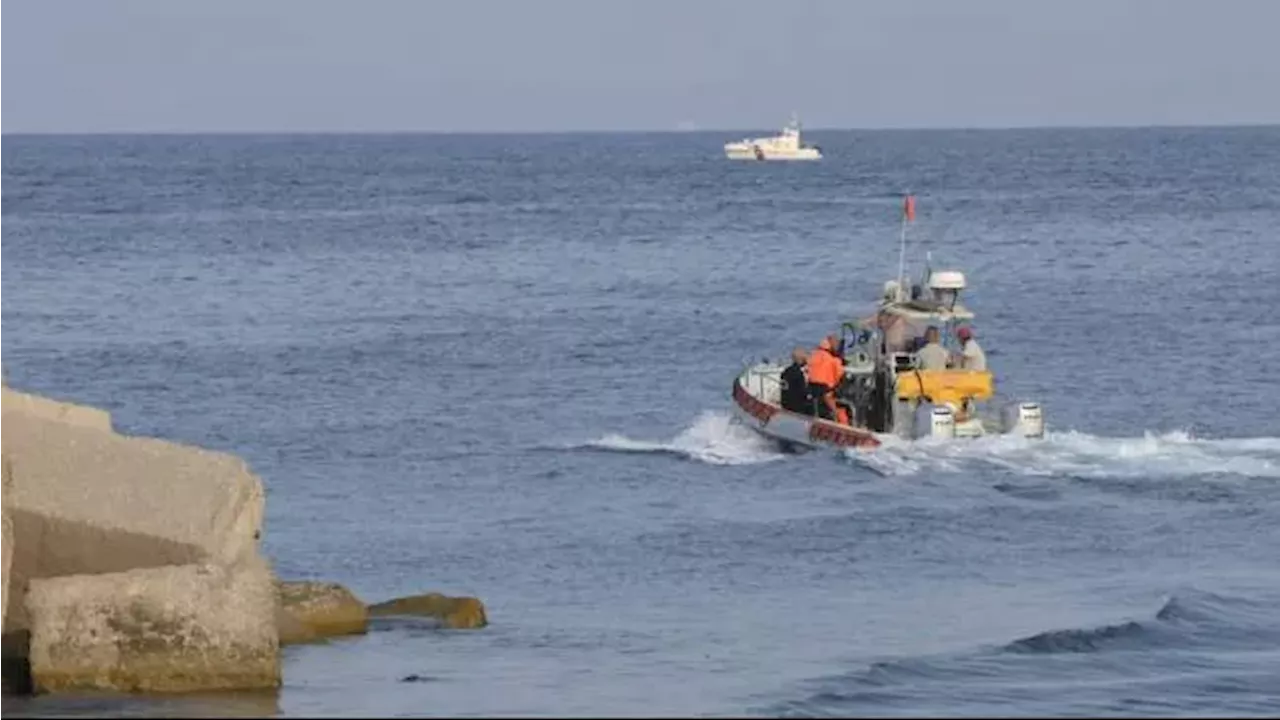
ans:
(932, 356)
(971, 355)
(895, 333)
(826, 369)
(795, 386)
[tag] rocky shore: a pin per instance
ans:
(132, 564)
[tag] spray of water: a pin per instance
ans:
(713, 438)
(716, 438)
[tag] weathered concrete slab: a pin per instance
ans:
(15, 670)
(5, 537)
(170, 629)
(55, 410)
(84, 501)
(49, 546)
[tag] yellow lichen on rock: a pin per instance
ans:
(314, 610)
(452, 612)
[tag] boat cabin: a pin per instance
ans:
(903, 319)
(882, 348)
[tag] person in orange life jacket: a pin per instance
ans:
(826, 368)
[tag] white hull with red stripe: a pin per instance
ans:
(757, 398)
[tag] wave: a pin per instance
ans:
(1046, 669)
(714, 438)
(1186, 619)
(1074, 641)
(1077, 454)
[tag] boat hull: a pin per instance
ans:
(757, 403)
(794, 429)
(749, 153)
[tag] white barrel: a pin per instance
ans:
(943, 423)
(1030, 420)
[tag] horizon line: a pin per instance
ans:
(646, 131)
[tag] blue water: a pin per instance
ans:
(499, 366)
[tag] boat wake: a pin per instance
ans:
(713, 438)
(1076, 454)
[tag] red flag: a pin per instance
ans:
(909, 207)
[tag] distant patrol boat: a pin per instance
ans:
(785, 146)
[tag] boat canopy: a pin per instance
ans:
(927, 311)
(902, 325)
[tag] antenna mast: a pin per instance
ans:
(908, 214)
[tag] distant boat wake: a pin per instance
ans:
(715, 438)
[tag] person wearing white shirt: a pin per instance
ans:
(932, 356)
(971, 356)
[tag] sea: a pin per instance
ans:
(500, 366)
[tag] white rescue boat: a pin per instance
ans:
(886, 388)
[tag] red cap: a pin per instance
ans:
(964, 333)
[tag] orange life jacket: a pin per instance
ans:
(824, 367)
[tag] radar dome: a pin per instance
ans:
(947, 280)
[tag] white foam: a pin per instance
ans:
(1173, 454)
(713, 438)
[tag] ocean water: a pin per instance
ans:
(500, 366)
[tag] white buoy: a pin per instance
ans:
(1030, 420)
(943, 423)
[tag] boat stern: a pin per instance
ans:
(1024, 419)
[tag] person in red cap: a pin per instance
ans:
(971, 355)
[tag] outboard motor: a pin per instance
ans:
(942, 424)
(1030, 420)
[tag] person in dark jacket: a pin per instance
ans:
(795, 386)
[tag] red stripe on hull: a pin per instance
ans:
(755, 408)
(820, 431)
(832, 434)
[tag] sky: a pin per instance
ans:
(566, 65)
